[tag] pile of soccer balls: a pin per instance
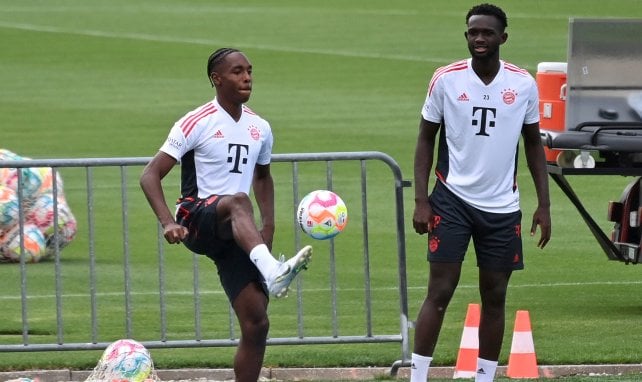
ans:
(38, 213)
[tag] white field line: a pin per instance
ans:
(217, 9)
(212, 42)
(217, 292)
(204, 9)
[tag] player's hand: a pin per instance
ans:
(174, 233)
(422, 218)
(542, 217)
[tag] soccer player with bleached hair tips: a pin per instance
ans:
(224, 149)
(475, 112)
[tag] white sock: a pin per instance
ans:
(263, 259)
(485, 370)
(419, 368)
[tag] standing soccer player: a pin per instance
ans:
(479, 106)
(224, 149)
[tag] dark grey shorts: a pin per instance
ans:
(497, 237)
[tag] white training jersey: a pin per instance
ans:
(480, 130)
(218, 154)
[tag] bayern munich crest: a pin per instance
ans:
(509, 96)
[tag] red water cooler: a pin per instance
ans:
(551, 83)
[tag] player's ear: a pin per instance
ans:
(215, 79)
(504, 37)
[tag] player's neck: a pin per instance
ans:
(486, 70)
(235, 110)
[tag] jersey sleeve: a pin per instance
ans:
(265, 155)
(176, 144)
(433, 109)
(532, 107)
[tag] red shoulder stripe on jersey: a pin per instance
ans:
(248, 110)
(514, 68)
(455, 66)
(191, 121)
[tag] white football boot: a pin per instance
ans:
(280, 279)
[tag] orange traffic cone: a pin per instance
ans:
(522, 362)
(466, 366)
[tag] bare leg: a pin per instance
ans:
(492, 289)
(442, 282)
(236, 221)
(237, 210)
(251, 310)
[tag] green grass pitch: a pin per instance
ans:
(87, 78)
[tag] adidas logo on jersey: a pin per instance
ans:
(463, 97)
(218, 134)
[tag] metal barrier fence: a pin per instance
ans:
(24, 339)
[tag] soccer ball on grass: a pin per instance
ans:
(126, 359)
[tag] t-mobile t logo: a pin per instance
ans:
(483, 117)
(238, 156)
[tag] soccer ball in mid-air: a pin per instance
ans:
(322, 214)
(126, 360)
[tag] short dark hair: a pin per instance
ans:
(488, 10)
(217, 57)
